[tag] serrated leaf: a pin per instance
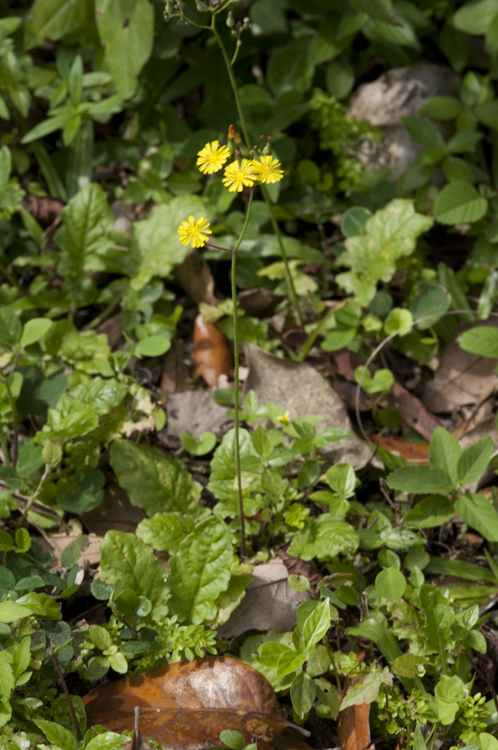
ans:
(153, 481)
(481, 340)
(324, 538)
(444, 454)
(478, 512)
(419, 480)
(166, 531)
(434, 510)
(222, 482)
(365, 688)
(155, 243)
(127, 559)
(474, 460)
(126, 31)
(459, 203)
(408, 665)
(200, 571)
(390, 233)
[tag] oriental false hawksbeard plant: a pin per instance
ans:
(247, 169)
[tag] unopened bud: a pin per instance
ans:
(169, 7)
(230, 20)
(200, 6)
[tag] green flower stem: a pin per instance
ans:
(15, 427)
(288, 276)
(236, 375)
(314, 334)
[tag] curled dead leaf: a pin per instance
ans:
(186, 706)
(211, 352)
(414, 453)
(353, 725)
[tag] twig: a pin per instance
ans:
(68, 697)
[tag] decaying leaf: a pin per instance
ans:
(211, 352)
(196, 278)
(414, 453)
(353, 726)
(186, 706)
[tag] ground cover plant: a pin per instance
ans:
(248, 346)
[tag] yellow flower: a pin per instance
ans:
(194, 231)
(267, 169)
(284, 418)
(237, 176)
(212, 157)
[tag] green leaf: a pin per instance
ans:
(441, 108)
(152, 346)
(434, 510)
(439, 617)
(475, 17)
(71, 553)
(101, 394)
(54, 19)
(21, 657)
(100, 637)
(270, 652)
(23, 540)
(303, 694)
(12, 612)
(71, 419)
(126, 32)
(474, 460)
(153, 481)
(289, 661)
(408, 665)
(206, 443)
(324, 538)
(419, 480)
(34, 330)
(155, 243)
(166, 531)
(118, 662)
(127, 559)
(223, 473)
(316, 625)
(399, 319)
(57, 734)
(232, 739)
(338, 339)
(42, 605)
(107, 741)
(444, 454)
(7, 681)
(374, 8)
(366, 687)
(432, 300)
(482, 340)
(464, 141)
(423, 132)
(5, 165)
(200, 571)
(10, 328)
(391, 584)
(390, 233)
(30, 459)
(477, 511)
(353, 221)
(459, 203)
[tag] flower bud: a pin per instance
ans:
(230, 20)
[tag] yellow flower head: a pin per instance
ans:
(212, 157)
(237, 176)
(194, 231)
(267, 169)
(284, 418)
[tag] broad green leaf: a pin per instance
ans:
(200, 571)
(324, 538)
(434, 510)
(222, 482)
(152, 346)
(153, 481)
(57, 734)
(423, 132)
(83, 235)
(439, 616)
(459, 203)
(126, 31)
(232, 739)
(34, 330)
(289, 661)
(100, 637)
(399, 319)
(155, 243)
(5, 165)
(460, 568)
(69, 420)
(408, 665)
(338, 339)
(478, 512)
(374, 8)
(7, 681)
(127, 559)
(166, 531)
(474, 460)
(487, 113)
(475, 17)
(101, 394)
(303, 694)
(54, 19)
(390, 234)
(270, 652)
(12, 612)
(391, 584)
(10, 328)
(366, 687)
(441, 108)
(206, 443)
(444, 454)
(420, 480)
(107, 741)
(316, 625)
(21, 657)
(42, 605)
(353, 221)
(481, 340)
(432, 300)
(30, 459)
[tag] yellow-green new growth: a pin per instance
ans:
(195, 232)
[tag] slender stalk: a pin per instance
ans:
(15, 426)
(68, 697)
(236, 375)
(288, 276)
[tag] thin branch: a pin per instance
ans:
(68, 697)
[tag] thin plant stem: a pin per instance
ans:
(15, 426)
(288, 276)
(66, 692)
(315, 333)
(236, 375)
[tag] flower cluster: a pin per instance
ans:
(238, 175)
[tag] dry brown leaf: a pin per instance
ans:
(195, 277)
(270, 602)
(175, 374)
(414, 453)
(462, 378)
(211, 352)
(353, 725)
(44, 210)
(56, 545)
(195, 411)
(186, 706)
(259, 302)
